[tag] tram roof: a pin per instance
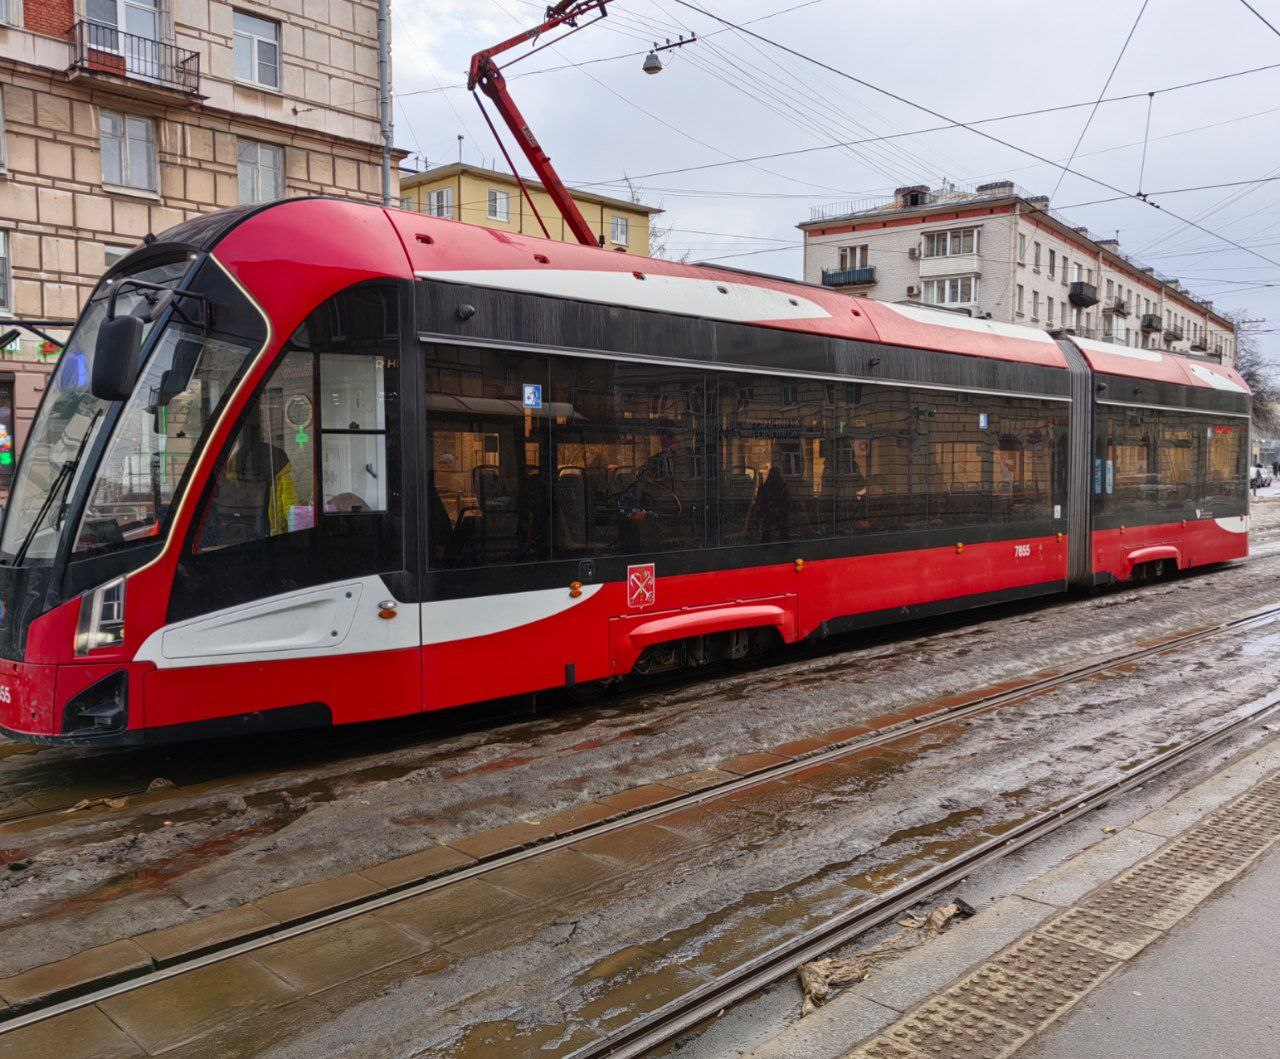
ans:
(449, 250)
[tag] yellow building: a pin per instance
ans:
(469, 193)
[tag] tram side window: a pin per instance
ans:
(265, 486)
(881, 427)
(291, 470)
(772, 456)
(1226, 466)
(629, 458)
(1178, 462)
(489, 419)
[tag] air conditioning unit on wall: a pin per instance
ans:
(913, 292)
(913, 253)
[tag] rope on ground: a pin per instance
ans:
(819, 978)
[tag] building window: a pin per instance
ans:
(950, 243)
(256, 49)
(621, 233)
(1022, 249)
(261, 170)
(499, 205)
(1035, 255)
(128, 151)
(440, 203)
(1048, 312)
(2, 155)
(854, 257)
(951, 290)
(1109, 289)
(1022, 292)
(112, 254)
(1065, 266)
(1053, 257)
(1035, 305)
(6, 298)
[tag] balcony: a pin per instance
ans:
(1151, 322)
(136, 65)
(849, 277)
(1200, 347)
(1083, 294)
(1173, 334)
(1116, 305)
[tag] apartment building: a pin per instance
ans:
(123, 117)
(1000, 253)
(487, 197)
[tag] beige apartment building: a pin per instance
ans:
(1000, 253)
(123, 117)
(487, 197)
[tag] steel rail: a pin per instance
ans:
(755, 968)
(710, 1000)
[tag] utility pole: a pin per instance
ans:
(384, 94)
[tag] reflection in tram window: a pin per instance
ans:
(489, 500)
(557, 457)
(265, 485)
(628, 458)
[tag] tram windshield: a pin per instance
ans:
(188, 371)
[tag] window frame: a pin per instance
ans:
(440, 203)
(953, 239)
(619, 224)
(499, 205)
(6, 273)
(126, 155)
(255, 41)
(259, 146)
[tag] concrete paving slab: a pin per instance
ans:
(1086, 871)
(444, 914)
(642, 797)
(206, 933)
(99, 966)
(82, 1034)
(499, 839)
(344, 997)
(255, 1035)
(336, 954)
(828, 1032)
(576, 816)
(922, 972)
(180, 1009)
(1185, 811)
(554, 875)
(745, 764)
(417, 867)
(328, 895)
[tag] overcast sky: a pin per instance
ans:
(730, 97)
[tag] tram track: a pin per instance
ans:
(689, 1010)
(665, 1025)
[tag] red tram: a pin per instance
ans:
(319, 462)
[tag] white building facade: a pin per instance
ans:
(998, 253)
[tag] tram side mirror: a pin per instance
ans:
(115, 358)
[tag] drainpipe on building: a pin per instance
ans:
(384, 94)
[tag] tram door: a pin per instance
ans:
(297, 591)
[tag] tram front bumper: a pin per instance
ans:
(66, 705)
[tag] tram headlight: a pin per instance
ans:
(101, 621)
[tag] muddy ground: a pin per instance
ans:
(243, 821)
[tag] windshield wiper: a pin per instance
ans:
(64, 473)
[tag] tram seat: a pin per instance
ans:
(572, 510)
